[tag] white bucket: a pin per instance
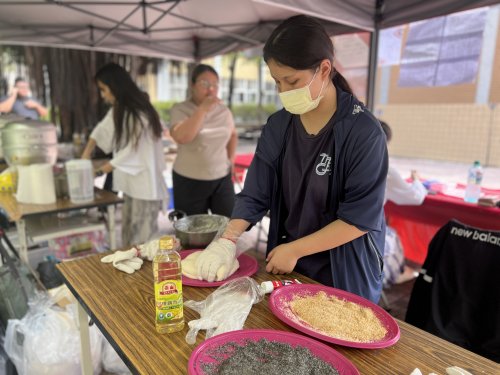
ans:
(36, 184)
(80, 180)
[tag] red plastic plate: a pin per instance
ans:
(279, 304)
(248, 266)
(318, 349)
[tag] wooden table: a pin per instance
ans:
(122, 306)
(18, 212)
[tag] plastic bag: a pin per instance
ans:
(47, 340)
(224, 310)
(111, 361)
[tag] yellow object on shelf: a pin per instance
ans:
(8, 181)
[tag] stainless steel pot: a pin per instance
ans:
(196, 231)
(29, 141)
(4, 120)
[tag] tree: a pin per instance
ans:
(64, 80)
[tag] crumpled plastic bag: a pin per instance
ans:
(225, 310)
(111, 361)
(46, 341)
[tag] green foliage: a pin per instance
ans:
(163, 109)
(243, 113)
(249, 113)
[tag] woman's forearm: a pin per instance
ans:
(333, 235)
(231, 146)
(186, 130)
(235, 229)
(89, 148)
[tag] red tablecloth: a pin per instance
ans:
(416, 225)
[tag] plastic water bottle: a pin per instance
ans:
(473, 189)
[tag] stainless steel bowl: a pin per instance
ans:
(196, 231)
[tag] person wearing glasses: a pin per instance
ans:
(204, 130)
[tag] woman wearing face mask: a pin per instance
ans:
(132, 131)
(319, 168)
(204, 129)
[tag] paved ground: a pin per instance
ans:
(446, 172)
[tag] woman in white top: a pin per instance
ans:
(400, 192)
(203, 128)
(132, 131)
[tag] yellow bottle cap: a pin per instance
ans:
(167, 242)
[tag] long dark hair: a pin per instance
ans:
(130, 104)
(387, 130)
(301, 43)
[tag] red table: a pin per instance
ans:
(416, 225)
(241, 164)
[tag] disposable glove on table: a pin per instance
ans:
(148, 250)
(130, 260)
(224, 310)
(126, 261)
(217, 260)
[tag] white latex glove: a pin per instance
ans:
(126, 261)
(216, 260)
(149, 249)
(189, 267)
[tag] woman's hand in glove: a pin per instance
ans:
(216, 260)
(126, 261)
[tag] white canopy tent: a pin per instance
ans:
(196, 29)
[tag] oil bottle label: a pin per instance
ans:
(168, 299)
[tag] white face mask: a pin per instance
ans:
(299, 101)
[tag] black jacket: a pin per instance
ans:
(456, 295)
(357, 192)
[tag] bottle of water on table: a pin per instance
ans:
(473, 189)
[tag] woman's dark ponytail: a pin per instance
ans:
(340, 82)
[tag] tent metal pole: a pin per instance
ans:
(372, 69)
(373, 58)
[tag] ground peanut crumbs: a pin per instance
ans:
(338, 318)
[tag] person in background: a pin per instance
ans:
(400, 192)
(204, 130)
(132, 131)
(320, 168)
(21, 103)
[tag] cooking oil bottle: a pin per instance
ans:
(168, 287)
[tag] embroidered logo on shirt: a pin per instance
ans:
(324, 166)
(357, 108)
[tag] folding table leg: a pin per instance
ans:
(23, 241)
(111, 227)
(86, 358)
